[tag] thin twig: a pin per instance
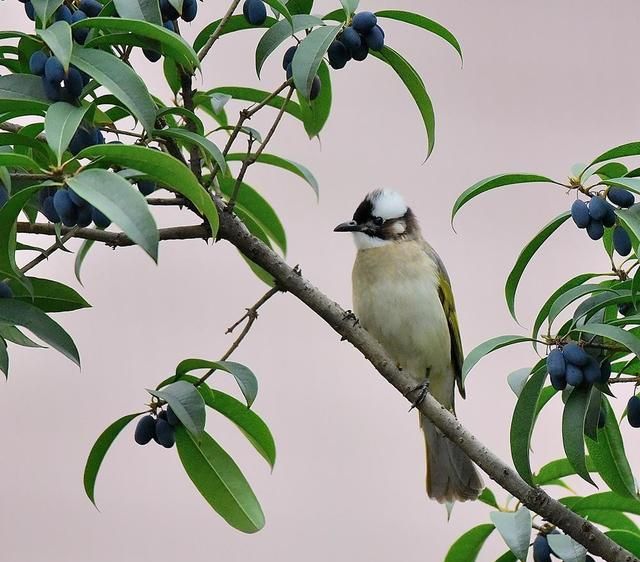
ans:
(251, 315)
(46, 253)
(218, 30)
(252, 110)
(251, 158)
(122, 132)
(167, 201)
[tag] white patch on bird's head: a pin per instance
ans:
(387, 204)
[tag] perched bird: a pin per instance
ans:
(402, 296)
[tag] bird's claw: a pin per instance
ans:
(351, 317)
(422, 389)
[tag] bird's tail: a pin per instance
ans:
(451, 475)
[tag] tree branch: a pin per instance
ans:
(218, 30)
(536, 499)
(116, 239)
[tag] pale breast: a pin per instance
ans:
(395, 296)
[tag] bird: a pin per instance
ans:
(402, 296)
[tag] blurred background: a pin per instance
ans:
(544, 85)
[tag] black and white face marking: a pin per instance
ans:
(381, 218)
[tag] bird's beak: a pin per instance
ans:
(351, 226)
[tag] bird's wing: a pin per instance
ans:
(449, 307)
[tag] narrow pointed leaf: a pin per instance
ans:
(46, 8)
(618, 335)
(49, 295)
(495, 182)
(315, 113)
(235, 23)
(468, 546)
(122, 203)
(573, 421)
(220, 481)
(525, 257)
(12, 334)
(209, 150)
(257, 96)
(487, 347)
(98, 452)
(309, 55)
(187, 404)
(22, 92)
(626, 539)
(425, 23)
(146, 10)
(566, 548)
(120, 79)
(412, 80)
(80, 257)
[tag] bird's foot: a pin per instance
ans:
(422, 390)
(351, 317)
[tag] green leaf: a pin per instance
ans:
(609, 457)
(4, 358)
(517, 379)
(572, 295)
(507, 557)
(349, 7)
(559, 469)
(245, 378)
(610, 519)
(280, 8)
(22, 92)
(487, 347)
(626, 539)
(424, 23)
(525, 257)
(308, 57)
(566, 548)
(187, 404)
(289, 165)
(630, 218)
(280, 32)
(48, 295)
(494, 182)
(162, 168)
(122, 203)
(170, 43)
(247, 421)
(628, 149)
(220, 481)
(209, 150)
(235, 23)
(12, 334)
(412, 80)
(98, 452)
(522, 422)
(299, 6)
(573, 421)
(18, 313)
(632, 184)
(45, 8)
(607, 501)
(58, 38)
(487, 496)
(8, 216)
(315, 113)
(60, 124)
(14, 160)
(258, 208)
(515, 529)
(120, 79)
(80, 256)
(618, 335)
(468, 546)
(546, 307)
(147, 10)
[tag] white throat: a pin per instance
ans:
(365, 242)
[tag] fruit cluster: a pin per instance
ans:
(162, 428)
(169, 17)
(5, 291)
(600, 214)
(287, 64)
(355, 41)
(58, 84)
(86, 8)
(542, 550)
(572, 365)
(254, 11)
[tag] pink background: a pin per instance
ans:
(544, 86)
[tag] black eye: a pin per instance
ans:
(378, 221)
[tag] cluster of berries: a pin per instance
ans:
(572, 365)
(600, 214)
(169, 17)
(542, 550)
(254, 11)
(5, 291)
(58, 84)
(162, 429)
(287, 64)
(356, 40)
(66, 207)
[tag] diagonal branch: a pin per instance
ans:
(341, 321)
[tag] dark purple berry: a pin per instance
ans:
(364, 22)
(37, 62)
(255, 11)
(165, 433)
(633, 411)
(375, 39)
(621, 241)
(287, 59)
(620, 197)
(145, 430)
(5, 291)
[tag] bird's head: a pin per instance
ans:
(381, 218)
